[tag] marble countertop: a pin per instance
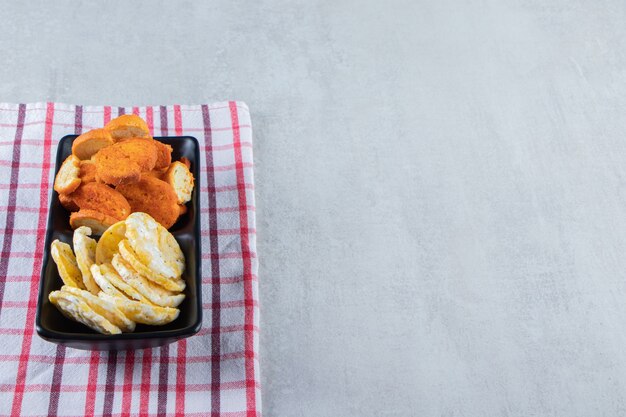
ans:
(440, 185)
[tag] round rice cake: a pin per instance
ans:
(129, 255)
(103, 307)
(66, 264)
(77, 309)
(107, 245)
(143, 313)
(156, 294)
(96, 221)
(85, 251)
(67, 179)
(154, 246)
(114, 278)
(123, 162)
(153, 196)
(172, 255)
(101, 197)
(104, 283)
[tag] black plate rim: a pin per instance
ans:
(173, 335)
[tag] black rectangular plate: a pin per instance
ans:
(53, 326)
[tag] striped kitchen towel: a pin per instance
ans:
(215, 372)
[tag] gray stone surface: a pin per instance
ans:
(441, 185)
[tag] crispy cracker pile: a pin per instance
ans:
(118, 170)
(132, 274)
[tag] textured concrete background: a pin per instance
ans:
(441, 185)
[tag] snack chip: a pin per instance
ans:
(154, 245)
(107, 245)
(104, 283)
(128, 126)
(123, 162)
(67, 202)
(66, 264)
(152, 196)
(102, 198)
(114, 279)
(143, 313)
(87, 172)
(67, 179)
(87, 144)
(103, 307)
(164, 155)
(76, 309)
(181, 180)
(85, 251)
(172, 284)
(154, 293)
(96, 221)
